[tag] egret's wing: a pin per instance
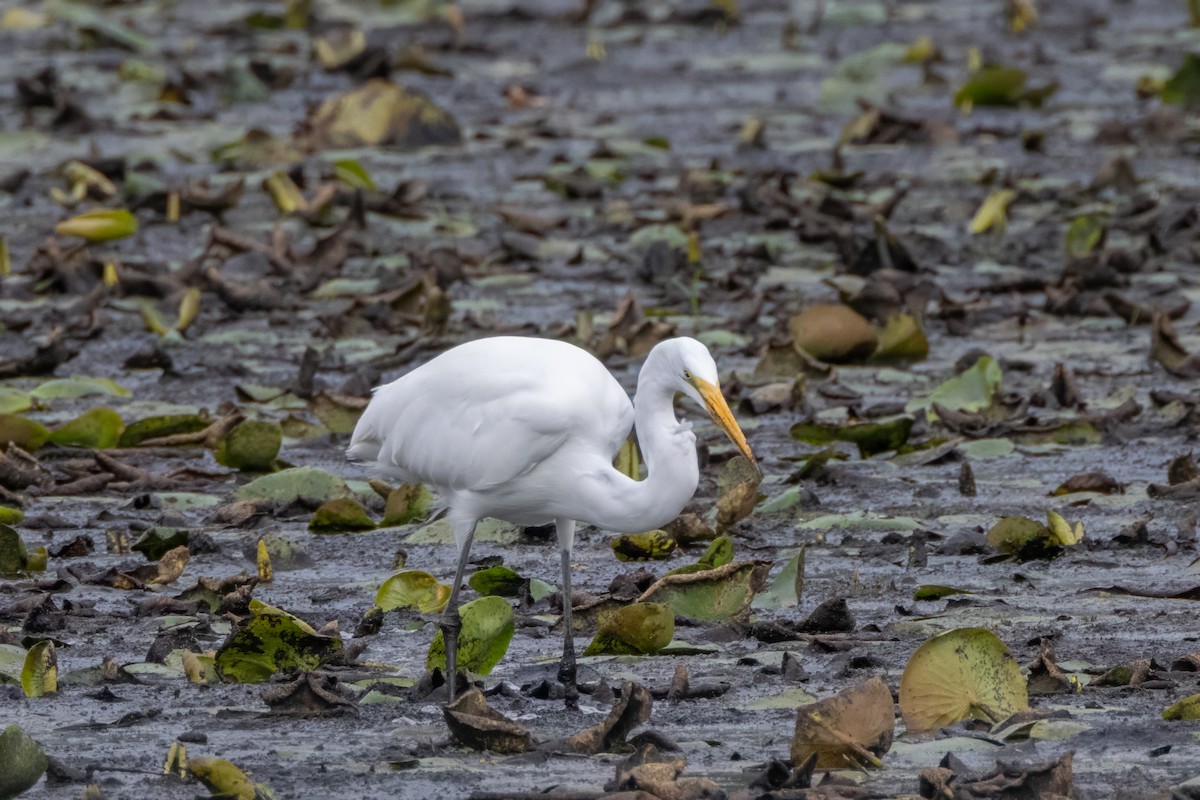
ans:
(477, 431)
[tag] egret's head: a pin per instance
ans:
(696, 373)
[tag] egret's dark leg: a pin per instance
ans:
(451, 622)
(566, 669)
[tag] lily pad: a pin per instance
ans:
(12, 550)
(479, 726)
(966, 672)
(408, 503)
(290, 484)
(971, 390)
(13, 401)
(412, 588)
(39, 674)
(340, 515)
(270, 641)
(251, 445)
(848, 731)
(499, 581)
(487, 628)
(99, 428)
(22, 761)
(712, 595)
(786, 588)
(1028, 539)
(226, 780)
(156, 541)
(66, 388)
(902, 339)
(636, 629)
(22, 431)
(156, 427)
(11, 516)
(382, 113)
(871, 438)
(737, 491)
(1187, 708)
(653, 545)
(833, 333)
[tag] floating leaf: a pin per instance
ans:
(99, 226)
(286, 194)
(21, 431)
(737, 491)
(250, 445)
(787, 587)
(408, 503)
(636, 629)
(1028, 539)
(412, 588)
(200, 667)
(99, 428)
(712, 595)
(971, 390)
(1061, 531)
(477, 725)
(382, 113)
(1085, 234)
(931, 591)
(1187, 708)
(499, 581)
(901, 339)
(966, 672)
(848, 731)
(648, 546)
(871, 438)
(340, 515)
(22, 761)
(158, 427)
(993, 214)
(11, 516)
(487, 628)
(64, 388)
(39, 675)
(272, 641)
(833, 333)
(156, 541)
(353, 174)
(12, 550)
(1183, 88)
(224, 779)
(13, 401)
(289, 484)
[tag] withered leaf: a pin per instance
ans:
(479, 726)
(849, 730)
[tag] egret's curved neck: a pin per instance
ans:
(669, 450)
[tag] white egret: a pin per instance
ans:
(525, 430)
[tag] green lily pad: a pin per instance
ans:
(930, 591)
(12, 550)
(958, 674)
(13, 401)
(1085, 234)
(225, 779)
(62, 388)
(1187, 708)
(498, 580)
(718, 554)
(786, 587)
(1183, 88)
(901, 339)
(272, 641)
(488, 530)
(636, 629)
(712, 595)
(340, 515)
(39, 674)
(22, 431)
(871, 438)
(971, 390)
(11, 516)
(290, 484)
(157, 427)
(406, 504)
(653, 545)
(156, 541)
(251, 445)
(412, 588)
(487, 628)
(22, 761)
(100, 428)
(1028, 539)
(12, 659)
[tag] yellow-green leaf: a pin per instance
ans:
(993, 214)
(39, 676)
(99, 226)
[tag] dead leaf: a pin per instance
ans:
(1166, 349)
(477, 725)
(310, 693)
(171, 564)
(847, 731)
(382, 113)
(631, 709)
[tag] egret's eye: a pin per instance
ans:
(687, 375)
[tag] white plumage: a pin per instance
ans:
(526, 430)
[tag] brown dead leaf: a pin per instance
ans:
(849, 730)
(1166, 349)
(631, 709)
(310, 693)
(738, 491)
(171, 564)
(477, 725)
(382, 113)
(631, 333)
(1089, 482)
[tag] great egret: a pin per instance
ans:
(526, 430)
